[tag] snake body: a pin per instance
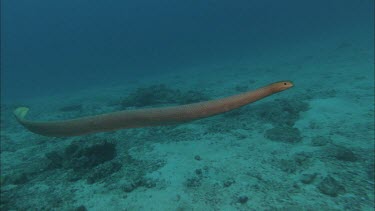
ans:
(146, 117)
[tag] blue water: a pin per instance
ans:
(52, 47)
(310, 147)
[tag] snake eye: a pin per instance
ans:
(284, 83)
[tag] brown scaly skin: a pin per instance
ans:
(147, 117)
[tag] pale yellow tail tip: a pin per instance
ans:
(20, 112)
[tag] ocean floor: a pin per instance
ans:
(308, 148)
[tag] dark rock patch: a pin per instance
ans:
(331, 187)
(197, 157)
(161, 94)
(285, 134)
(302, 158)
(288, 166)
(341, 153)
(308, 178)
(56, 159)
(281, 112)
(18, 178)
(193, 182)
(152, 95)
(103, 171)
(345, 154)
(298, 162)
(7, 144)
(81, 208)
(192, 97)
(243, 199)
(198, 172)
(129, 186)
(71, 108)
(371, 170)
(242, 88)
(228, 182)
(319, 141)
(91, 162)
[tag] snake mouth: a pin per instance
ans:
(288, 84)
(282, 85)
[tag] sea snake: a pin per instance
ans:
(148, 116)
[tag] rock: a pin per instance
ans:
(71, 108)
(141, 182)
(308, 178)
(371, 170)
(281, 112)
(193, 182)
(242, 88)
(289, 166)
(161, 94)
(192, 97)
(345, 154)
(81, 208)
(319, 141)
(3, 180)
(198, 172)
(243, 199)
(197, 157)
(103, 170)
(85, 158)
(128, 187)
(71, 149)
(56, 159)
(19, 179)
(301, 158)
(148, 183)
(331, 187)
(228, 182)
(284, 134)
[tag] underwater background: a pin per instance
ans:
(308, 148)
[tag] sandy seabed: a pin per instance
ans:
(308, 148)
